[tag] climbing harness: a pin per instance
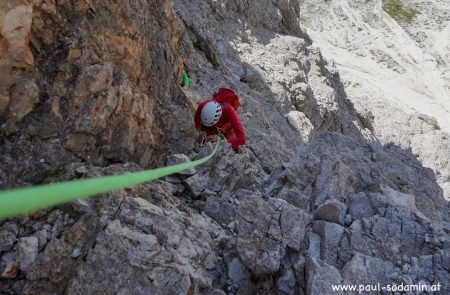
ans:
(22, 201)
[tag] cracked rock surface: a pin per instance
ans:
(313, 199)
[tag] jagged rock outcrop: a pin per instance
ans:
(384, 229)
(313, 199)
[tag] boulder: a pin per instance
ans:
(332, 211)
(177, 159)
(392, 198)
(196, 184)
(294, 224)
(265, 230)
(320, 277)
(258, 249)
(28, 250)
(330, 237)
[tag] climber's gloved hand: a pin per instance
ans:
(237, 150)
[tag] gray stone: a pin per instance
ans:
(76, 253)
(220, 210)
(54, 215)
(173, 179)
(18, 286)
(247, 288)
(397, 233)
(320, 277)
(359, 206)
(332, 211)
(80, 171)
(265, 230)
(177, 159)
(237, 272)
(7, 240)
(287, 283)
(301, 124)
(196, 184)
(293, 224)
(28, 249)
(42, 237)
(257, 250)
(264, 259)
(330, 237)
(9, 257)
(11, 227)
(206, 193)
(393, 198)
(362, 269)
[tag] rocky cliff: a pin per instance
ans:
(393, 58)
(314, 199)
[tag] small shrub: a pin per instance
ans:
(398, 11)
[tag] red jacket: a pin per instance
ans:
(229, 124)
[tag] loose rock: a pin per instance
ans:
(28, 249)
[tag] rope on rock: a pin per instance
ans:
(23, 201)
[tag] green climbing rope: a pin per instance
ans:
(27, 200)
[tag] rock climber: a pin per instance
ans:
(184, 75)
(218, 116)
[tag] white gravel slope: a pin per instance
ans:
(381, 59)
(398, 71)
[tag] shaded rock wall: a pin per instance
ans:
(92, 81)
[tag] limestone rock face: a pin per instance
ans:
(265, 230)
(95, 78)
(277, 16)
(19, 91)
(155, 246)
(313, 199)
(387, 226)
(407, 109)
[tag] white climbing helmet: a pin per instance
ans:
(211, 113)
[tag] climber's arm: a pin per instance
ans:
(238, 129)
